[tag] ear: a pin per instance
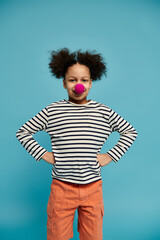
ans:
(90, 83)
(64, 83)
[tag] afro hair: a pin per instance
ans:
(62, 59)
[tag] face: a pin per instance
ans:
(75, 74)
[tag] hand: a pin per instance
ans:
(49, 157)
(103, 159)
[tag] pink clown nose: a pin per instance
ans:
(79, 88)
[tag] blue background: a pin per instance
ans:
(127, 33)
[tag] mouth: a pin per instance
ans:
(77, 93)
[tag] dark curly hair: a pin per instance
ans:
(62, 59)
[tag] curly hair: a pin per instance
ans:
(62, 59)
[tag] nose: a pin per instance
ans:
(79, 88)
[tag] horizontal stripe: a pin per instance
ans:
(77, 133)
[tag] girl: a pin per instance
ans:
(78, 128)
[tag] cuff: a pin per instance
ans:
(112, 156)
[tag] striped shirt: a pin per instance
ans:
(77, 132)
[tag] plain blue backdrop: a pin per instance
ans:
(127, 33)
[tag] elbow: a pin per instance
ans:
(135, 133)
(17, 134)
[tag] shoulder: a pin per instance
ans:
(55, 104)
(101, 106)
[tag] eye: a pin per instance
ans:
(71, 80)
(84, 80)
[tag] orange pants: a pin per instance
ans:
(64, 199)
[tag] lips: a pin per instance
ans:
(77, 93)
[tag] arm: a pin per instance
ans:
(24, 134)
(127, 135)
(48, 157)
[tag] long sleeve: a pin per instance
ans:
(127, 135)
(24, 134)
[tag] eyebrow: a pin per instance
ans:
(82, 77)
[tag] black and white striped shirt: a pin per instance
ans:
(77, 132)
